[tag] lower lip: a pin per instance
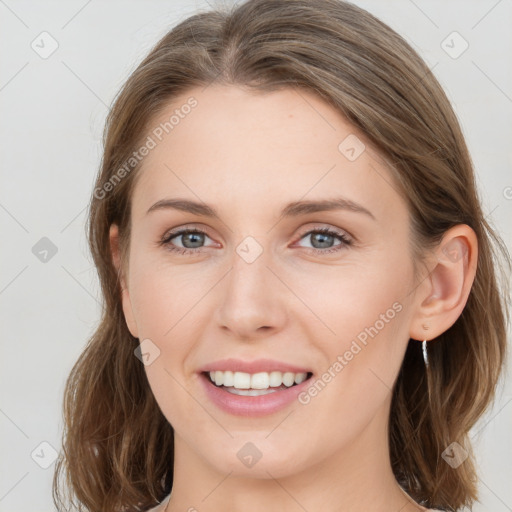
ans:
(252, 406)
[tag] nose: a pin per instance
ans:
(252, 300)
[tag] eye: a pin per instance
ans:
(323, 238)
(191, 240)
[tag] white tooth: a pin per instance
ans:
(250, 392)
(219, 378)
(276, 379)
(228, 379)
(242, 380)
(288, 379)
(259, 380)
(300, 377)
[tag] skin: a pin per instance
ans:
(248, 154)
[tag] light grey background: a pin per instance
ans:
(52, 115)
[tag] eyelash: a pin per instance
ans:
(345, 241)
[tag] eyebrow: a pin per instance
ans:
(292, 209)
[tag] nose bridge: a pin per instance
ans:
(250, 298)
(249, 275)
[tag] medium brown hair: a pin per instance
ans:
(117, 445)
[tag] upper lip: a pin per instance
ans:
(255, 366)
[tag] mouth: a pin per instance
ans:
(255, 384)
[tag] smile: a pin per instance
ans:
(256, 384)
(256, 394)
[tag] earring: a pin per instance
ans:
(425, 355)
(424, 347)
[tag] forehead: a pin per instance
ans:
(251, 149)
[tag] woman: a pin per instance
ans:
(302, 309)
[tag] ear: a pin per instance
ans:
(443, 294)
(125, 294)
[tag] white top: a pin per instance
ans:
(161, 506)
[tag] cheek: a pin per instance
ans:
(161, 295)
(352, 298)
(366, 309)
(165, 304)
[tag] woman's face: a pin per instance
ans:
(258, 285)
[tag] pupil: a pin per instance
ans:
(189, 235)
(323, 238)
